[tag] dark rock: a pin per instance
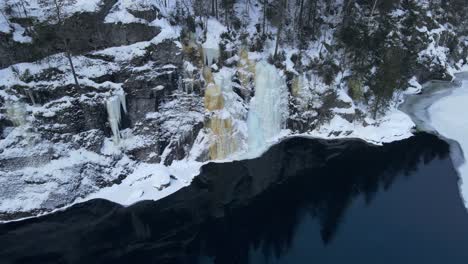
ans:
(17, 163)
(83, 32)
(165, 53)
(147, 90)
(73, 117)
(148, 15)
(91, 140)
(172, 130)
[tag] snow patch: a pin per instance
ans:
(149, 182)
(120, 11)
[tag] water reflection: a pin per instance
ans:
(265, 210)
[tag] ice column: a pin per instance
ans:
(113, 105)
(269, 107)
(211, 55)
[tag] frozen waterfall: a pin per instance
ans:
(16, 112)
(268, 108)
(211, 55)
(113, 105)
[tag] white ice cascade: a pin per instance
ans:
(16, 112)
(113, 105)
(211, 55)
(268, 108)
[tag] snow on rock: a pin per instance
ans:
(83, 6)
(396, 125)
(4, 25)
(85, 67)
(126, 53)
(447, 116)
(32, 187)
(149, 182)
(414, 86)
(120, 12)
(34, 9)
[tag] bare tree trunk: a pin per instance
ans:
(300, 14)
(57, 11)
(300, 27)
(67, 47)
(72, 69)
(372, 11)
(278, 36)
(283, 3)
(226, 18)
(212, 7)
(375, 109)
(265, 2)
(314, 20)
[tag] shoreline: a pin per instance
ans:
(414, 106)
(420, 107)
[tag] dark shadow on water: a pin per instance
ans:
(304, 201)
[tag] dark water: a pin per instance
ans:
(304, 201)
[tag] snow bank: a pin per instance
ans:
(149, 182)
(395, 126)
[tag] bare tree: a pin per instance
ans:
(265, 6)
(56, 9)
(282, 8)
(372, 11)
(16, 8)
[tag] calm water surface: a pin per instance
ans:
(304, 201)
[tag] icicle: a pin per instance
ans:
(298, 83)
(213, 97)
(224, 142)
(113, 105)
(246, 67)
(180, 84)
(219, 101)
(269, 107)
(31, 97)
(211, 55)
(123, 102)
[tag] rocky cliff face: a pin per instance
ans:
(84, 31)
(162, 88)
